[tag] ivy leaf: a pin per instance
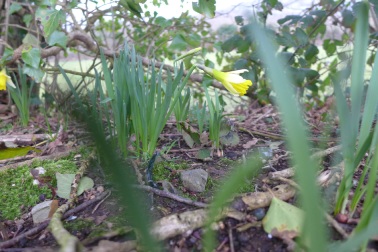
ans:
(231, 43)
(8, 53)
(14, 8)
(30, 40)
(58, 38)
(300, 36)
(64, 182)
(31, 57)
(311, 52)
(133, 6)
(27, 19)
(178, 43)
(162, 22)
(329, 46)
(348, 18)
(50, 19)
(35, 73)
(205, 7)
(292, 18)
(283, 217)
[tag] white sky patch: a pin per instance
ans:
(226, 10)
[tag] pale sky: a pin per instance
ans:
(226, 10)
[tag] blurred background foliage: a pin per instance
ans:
(316, 43)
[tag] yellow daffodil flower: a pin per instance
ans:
(232, 81)
(4, 80)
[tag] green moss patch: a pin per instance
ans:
(18, 193)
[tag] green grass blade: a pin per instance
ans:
(313, 230)
(230, 186)
(358, 64)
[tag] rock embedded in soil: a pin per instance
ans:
(194, 180)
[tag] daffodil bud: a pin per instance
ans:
(189, 53)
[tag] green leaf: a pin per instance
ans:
(14, 8)
(58, 38)
(27, 19)
(194, 40)
(348, 18)
(50, 19)
(300, 37)
(72, 4)
(282, 217)
(162, 22)
(178, 43)
(243, 45)
(205, 7)
(286, 39)
(64, 182)
(32, 57)
(311, 52)
(241, 64)
(30, 40)
(292, 18)
(132, 6)
(230, 139)
(35, 73)
(231, 43)
(329, 46)
(8, 54)
(188, 139)
(239, 20)
(204, 154)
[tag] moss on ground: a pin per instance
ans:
(162, 170)
(18, 193)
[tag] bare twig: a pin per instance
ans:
(171, 196)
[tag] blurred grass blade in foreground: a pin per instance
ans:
(313, 231)
(119, 173)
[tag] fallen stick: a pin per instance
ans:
(53, 156)
(290, 172)
(172, 196)
(28, 139)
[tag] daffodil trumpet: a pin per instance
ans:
(232, 81)
(4, 80)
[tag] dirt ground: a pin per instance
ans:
(101, 219)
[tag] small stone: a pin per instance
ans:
(259, 213)
(243, 237)
(342, 218)
(40, 212)
(100, 189)
(194, 180)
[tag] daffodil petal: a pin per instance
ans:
(242, 88)
(232, 81)
(230, 87)
(238, 71)
(234, 78)
(3, 80)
